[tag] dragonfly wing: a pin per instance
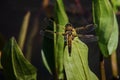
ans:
(49, 33)
(88, 38)
(46, 34)
(88, 28)
(47, 21)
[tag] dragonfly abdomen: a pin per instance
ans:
(69, 44)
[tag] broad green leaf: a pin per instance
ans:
(107, 30)
(15, 66)
(76, 65)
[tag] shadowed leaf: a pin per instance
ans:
(15, 66)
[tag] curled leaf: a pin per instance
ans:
(15, 66)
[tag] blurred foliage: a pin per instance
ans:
(23, 30)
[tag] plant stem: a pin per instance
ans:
(102, 68)
(31, 37)
(0, 54)
(114, 65)
(55, 52)
(103, 76)
(23, 30)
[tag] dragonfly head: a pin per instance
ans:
(68, 24)
(68, 27)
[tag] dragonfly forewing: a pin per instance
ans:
(49, 33)
(86, 29)
(81, 31)
(85, 38)
(88, 38)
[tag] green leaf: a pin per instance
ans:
(45, 62)
(61, 19)
(15, 66)
(107, 30)
(115, 4)
(53, 53)
(60, 15)
(76, 65)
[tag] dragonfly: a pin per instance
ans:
(70, 33)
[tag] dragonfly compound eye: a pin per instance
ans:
(68, 27)
(68, 24)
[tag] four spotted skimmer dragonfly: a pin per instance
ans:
(70, 33)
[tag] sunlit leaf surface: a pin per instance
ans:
(76, 65)
(107, 30)
(15, 66)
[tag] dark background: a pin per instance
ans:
(11, 16)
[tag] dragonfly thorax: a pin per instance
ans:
(70, 32)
